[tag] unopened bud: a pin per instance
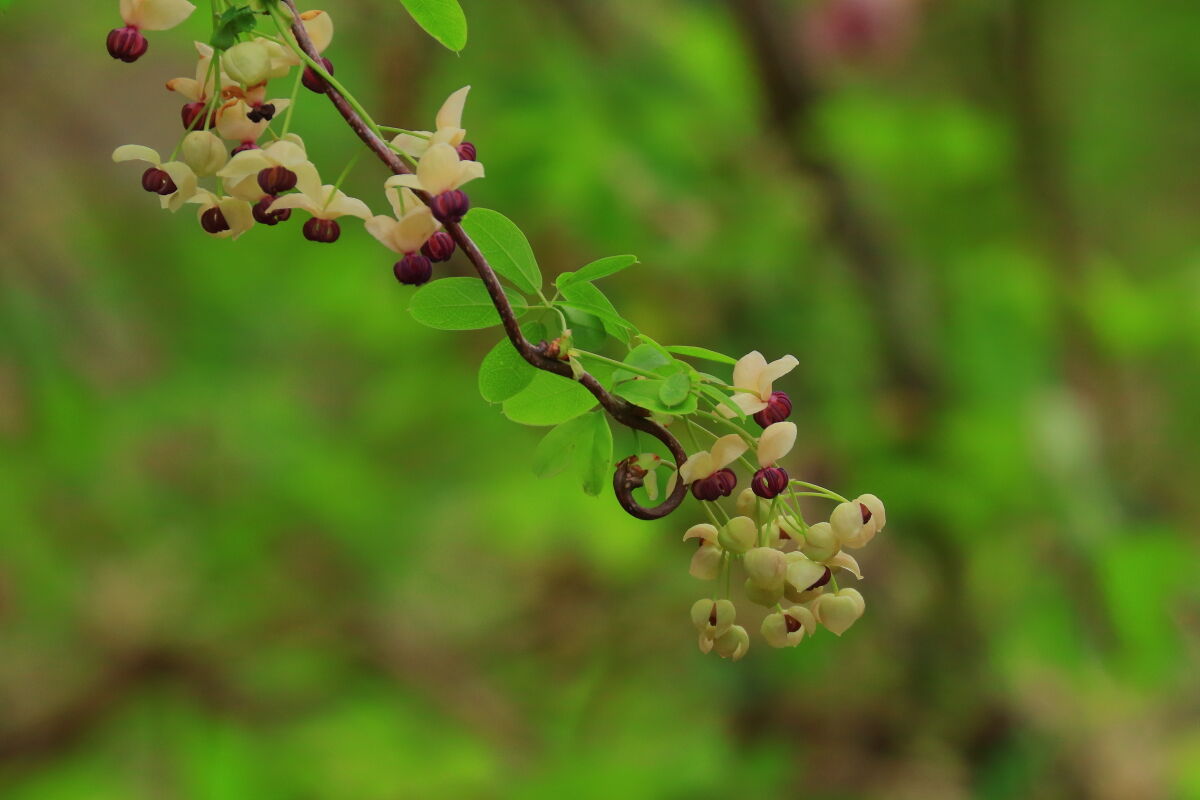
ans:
(127, 44)
(158, 181)
(194, 118)
(450, 207)
(204, 152)
(769, 482)
(779, 408)
(248, 63)
(439, 247)
(413, 270)
(325, 231)
(315, 82)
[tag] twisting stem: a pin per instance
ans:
(629, 475)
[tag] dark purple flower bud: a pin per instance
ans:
(322, 230)
(769, 482)
(466, 152)
(265, 217)
(243, 147)
(127, 44)
(821, 581)
(450, 207)
(158, 181)
(779, 408)
(276, 180)
(213, 220)
(439, 247)
(413, 270)
(194, 118)
(719, 484)
(314, 82)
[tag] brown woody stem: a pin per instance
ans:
(628, 476)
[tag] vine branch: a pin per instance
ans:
(628, 475)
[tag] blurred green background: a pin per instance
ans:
(261, 538)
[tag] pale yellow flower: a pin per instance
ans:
(754, 377)
(181, 174)
(155, 15)
(440, 170)
(411, 226)
(449, 128)
(839, 610)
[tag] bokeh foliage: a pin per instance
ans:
(261, 537)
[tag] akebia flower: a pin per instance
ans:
(775, 443)
(173, 181)
(449, 130)
(319, 27)
(753, 378)
(788, 628)
(198, 92)
(238, 121)
(128, 44)
(223, 217)
(706, 561)
(275, 169)
(204, 152)
(248, 63)
(873, 518)
(706, 471)
(712, 618)
(440, 247)
(779, 408)
(325, 203)
(406, 233)
(439, 173)
(839, 610)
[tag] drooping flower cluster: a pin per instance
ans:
(242, 166)
(790, 566)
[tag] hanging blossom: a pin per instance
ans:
(173, 181)
(261, 175)
(449, 131)
(440, 173)
(753, 378)
(198, 91)
(406, 234)
(325, 203)
(708, 471)
(223, 216)
(128, 44)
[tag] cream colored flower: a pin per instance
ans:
(732, 644)
(738, 535)
(155, 15)
(223, 217)
(242, 171)
(319, 26)
(788, 628)
(411, 226)
(322, 202)
(712, 618)
(844, 560)
(248, 63)
(840, 610)
(181, 174)
(439, 170)
(820, 542)
(200, 88)
(874, 518)
(724, 452)
(449, 128)
(754, 377)
(709, 555)
(235, 123)
(802, 572)
(776, 442)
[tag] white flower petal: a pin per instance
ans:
(773, 372)
(697, 466)
(136, 152)
(726, 450)
(747, 370)
(155, 15)
(450, 114)
(439, 168)
(776, 442)
(383, 228)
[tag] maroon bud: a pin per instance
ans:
(413, 270)
(439, 247)
(314, 82)
(262, 215)
(276, 180)
(326, 231)
(466, 152)
(792, 623)
(243, 147)
(779, 408)
(127, 44)
(194, 118)
(821, 581)
(213, 220)
(158, 181)
(450, 207)
(769, 482)
(719, 484)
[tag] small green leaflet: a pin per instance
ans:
(586, 297)
(548, 400)
(596, 270)
(505, 247)
(644, 357)
(675, 389)
(585, 444)
(648, 394)
(701, 352)
(233, 21)
(459, 304)
(587, 331)
(444, 20)
(504, 372)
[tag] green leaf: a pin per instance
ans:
(444, 20)
(587, 330)
(548, 400)
(459, 304)
(701, 352)
(648, 394)
(584, 443)
(503, 371)
(596, 270)
(675, 389)
(233, 21)
(505, 247)
(643, 357)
